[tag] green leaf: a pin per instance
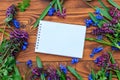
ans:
(105, 13)
(23, 5)
(110, 75)
(2, 30)
(118, 74)
(74, 72)
(44, 13)
(61, 74)
(93, 74)
(114, 4)
(39, 63)
(103, 5)
(56, 6)
(95, 20)
(17, 75)
(100, 41)
(59, 6)
(111, 58)
(42, 76)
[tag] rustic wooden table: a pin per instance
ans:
(77, 12)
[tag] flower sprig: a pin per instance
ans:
(108, 66)
(51, 73)
(107, 24)
(55, 6)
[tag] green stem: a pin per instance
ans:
(7, 34)
(44, 13)
(99, 41)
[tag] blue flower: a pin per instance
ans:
(90, 77)
(29, 63)
(25, 43)
(16, 23)
(99, 17)
(97, 11)
(95, 24)
(95, 51)
(63, 68)
(114, 48)
(107, 74)
(99, 37)
(88, 22)
(51, 11)
(24, 47)
(74, 60)
(97, 60)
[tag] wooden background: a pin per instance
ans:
(77, 12)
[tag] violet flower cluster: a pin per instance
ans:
(22, 38)
(10, 16)
(50, 73)
(106, 28)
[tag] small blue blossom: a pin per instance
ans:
(114, 48)
(95, 51)
(90, 77)
(24, 47)
(63, 68)
(51, 11)
(75, 60)
(95, 24)
(88, 22)
(99, 37)
(99, 17)
(29, 63)
(97, 60)
(17, 62)
(25, 43)
(107, 74)
(16, 23)
(97, 11)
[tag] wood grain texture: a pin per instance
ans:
(77, 11)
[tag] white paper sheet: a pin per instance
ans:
(60, 39)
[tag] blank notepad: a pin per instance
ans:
(60, 39)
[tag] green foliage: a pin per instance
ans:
(23, 5)
(39, 63)
(44, 13)
(114, 4)
(74, 72)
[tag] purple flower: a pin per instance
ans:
(63, 68)
(63, 14)
(114, 21)
(29, 63)
(95, 51)
(74, 60)
(52, 74)
(37, 71)
(113, 11)
(102, 60)
(19, 34)
(102, 31)
(113, 66)
(11, 10)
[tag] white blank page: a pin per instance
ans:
(60, 39)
